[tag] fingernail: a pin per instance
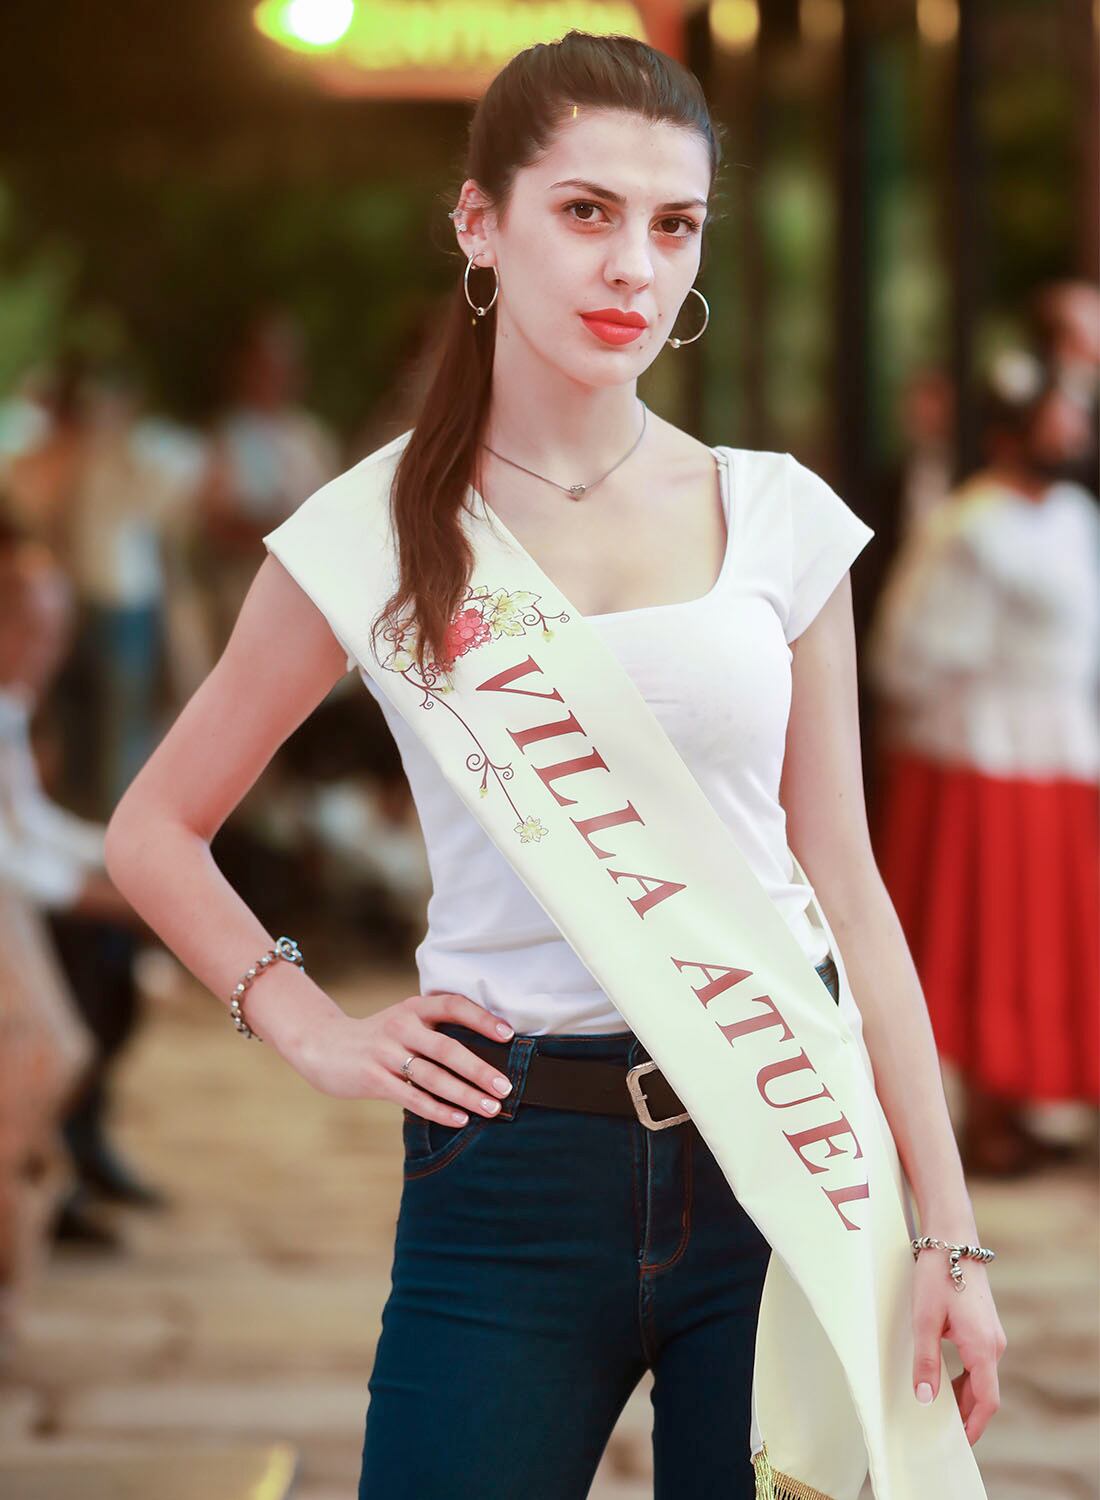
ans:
(504, 1030)
(924, 1393)
(501, 1085)
(492, 1105)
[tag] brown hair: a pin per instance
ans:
(513, 123)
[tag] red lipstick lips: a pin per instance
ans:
(613, 326)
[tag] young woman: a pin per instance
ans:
(552, 1248)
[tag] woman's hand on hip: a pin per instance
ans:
(969, 1319)
(361, 1058)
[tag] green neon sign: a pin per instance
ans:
(388, 35)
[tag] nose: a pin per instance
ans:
(628, 260)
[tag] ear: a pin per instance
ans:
(475, 212)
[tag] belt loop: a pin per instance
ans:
(519, 1060)
(633, 1055)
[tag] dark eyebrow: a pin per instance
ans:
(602, 192)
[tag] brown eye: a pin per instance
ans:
(582, 204)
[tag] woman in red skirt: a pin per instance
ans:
(986, 645)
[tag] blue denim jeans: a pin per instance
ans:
(543, 1262)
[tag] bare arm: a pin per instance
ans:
(280, 662)
(822, 793)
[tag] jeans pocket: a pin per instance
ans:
(830, 978)
(430, 1145)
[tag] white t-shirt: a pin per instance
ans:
(716, 672)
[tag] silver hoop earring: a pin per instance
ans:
(679, 343)
(481, 311)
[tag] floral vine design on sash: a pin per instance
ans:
(483, 615)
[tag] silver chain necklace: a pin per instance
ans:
(575, 491)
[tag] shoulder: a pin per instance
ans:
(677, 453)
(673, 456)
(779, 494)
(338, 545)
(779, 478)
(757, 461)
(808, 490)
(759, 481)
(820, 517)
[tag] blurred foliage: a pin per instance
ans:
(37, 295)
(909, 291)
(354, 264)
(798, 230)
(155, 240)
(183, 263)
(1028, 127)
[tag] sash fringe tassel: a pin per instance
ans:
(772, 1485)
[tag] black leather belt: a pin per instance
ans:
(595, 1086)
(591, 1085)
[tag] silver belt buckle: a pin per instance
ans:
(641, 1104)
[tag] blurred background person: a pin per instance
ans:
(1066, 317)
(914, 488)
(928, 427)
(55, 859)
(45, 433)
(267, 453)
(93, 490)
(45, 1051)
(986, 646)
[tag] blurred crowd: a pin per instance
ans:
(127, 542)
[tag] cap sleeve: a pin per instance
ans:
(299, 543)
(826, 538)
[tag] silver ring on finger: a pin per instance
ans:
(406, 1066)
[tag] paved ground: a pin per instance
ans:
(248, 1313)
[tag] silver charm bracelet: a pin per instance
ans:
(285, 948)
(973, 1252)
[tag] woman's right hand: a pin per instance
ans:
(360, 1058)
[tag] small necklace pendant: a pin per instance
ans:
(574, 491)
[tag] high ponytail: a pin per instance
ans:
(514, 122)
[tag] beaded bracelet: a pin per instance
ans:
(285, 948)
(974, 1252)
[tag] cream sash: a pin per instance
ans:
(552, 748)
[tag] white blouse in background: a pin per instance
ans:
(46, 851)
(987, 636)
(716, 673)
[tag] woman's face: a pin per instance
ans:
(1060, 430)
(610, 217)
